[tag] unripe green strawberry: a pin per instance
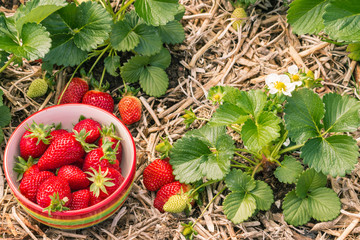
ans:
(176, 203)
(37, 88)
(237, 14)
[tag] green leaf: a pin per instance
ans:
(156, 12)
(252, 102)
(64, 52)
(123, 38)
(203, 152)
(150, 71)
(5, 116)
(172, 33)
(263, 195)
(149, 40)
(36, 11)
(305, 16)
(295, 209)
(239, 206)
(34, 42)
(3, 58)
(258, 134)
(154, 81)
(289, 171)
(354, 49)
(324, 204)
(78, 30)
(180, 12)
(132, 70)
(303, 113)
(228, 114)
(161, 60)
(239, 181)
(341, 20)
(335, 155)
(309, 181)
(342, 113)
(112, 63)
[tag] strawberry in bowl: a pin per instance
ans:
(68, 205)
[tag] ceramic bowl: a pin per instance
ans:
(68, 115)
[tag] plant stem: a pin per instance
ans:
(101, 54)
(123, 8)
(255, 169)
(72, 76)
(288, 149)
(247, 159)
(204, 185)
(204, 119)
(237, 164)
(275, 160)
(102, 77)
(278, 146)
(7, 63)
(235, 128)
(208, 205)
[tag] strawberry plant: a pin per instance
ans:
(339, 19)
(254, 132)
(68, 34)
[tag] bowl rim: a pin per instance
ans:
(87, 210)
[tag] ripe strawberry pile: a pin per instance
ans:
(61, 170)
(172, 196)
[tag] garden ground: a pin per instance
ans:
(213, 53)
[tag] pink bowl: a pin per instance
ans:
(68, 115)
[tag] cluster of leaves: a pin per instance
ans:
(339, 19)
(5, 116)
(314, 125)
(65, 34)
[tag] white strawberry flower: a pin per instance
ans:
(279, 83)
(293, 70)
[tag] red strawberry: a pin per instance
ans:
(35, 140)
(108, 134)
(76, 178)
(105, 181)
(66, 149)
(94, 200)
(99, 99)
(29, 186)
(80, 199)
(75, 91)
(157, 174)
(168, 190)
(91, 126)
(55, 133)
(79, 163)
(130, 109)
(26, 168)
(54, 194)
(103, 156)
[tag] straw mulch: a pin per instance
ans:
(213, 53)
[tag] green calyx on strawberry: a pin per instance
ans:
(39, 131)
(57, 204)
(109, 131)
(23, 166)
(100, 181)
(109, 152)
(189, 117)
(81, 138)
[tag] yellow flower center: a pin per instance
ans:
(295, 77)
(217, 97)
(280, 86)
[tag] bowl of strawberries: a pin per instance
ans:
(70, 166)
